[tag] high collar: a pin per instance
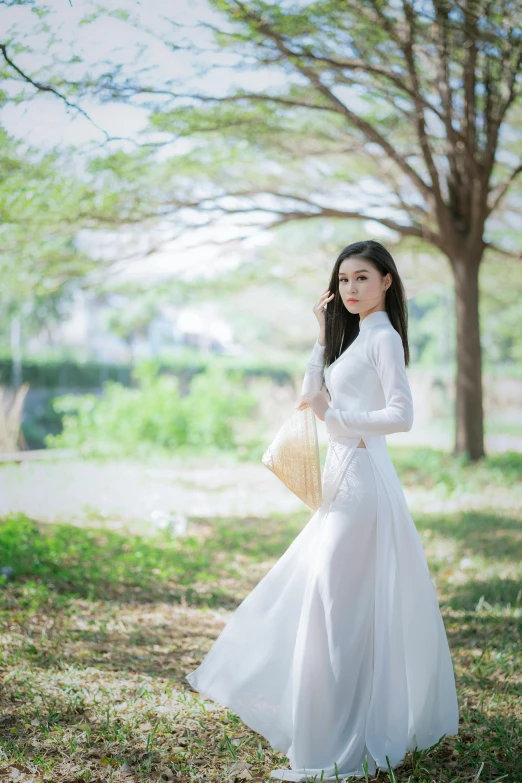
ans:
(374, 319)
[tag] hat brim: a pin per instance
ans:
(293, 456)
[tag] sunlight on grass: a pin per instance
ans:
(99, 628)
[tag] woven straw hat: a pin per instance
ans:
(293, 456)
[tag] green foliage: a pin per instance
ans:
(66, 371)
(500, 313)
(155, 416)
(42, 418)
(40, 203)
(39, 420)
(70, 561)
(53, 373)
(439, 470)
(215, 400)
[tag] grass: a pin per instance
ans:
(434, 468)
(98, 629)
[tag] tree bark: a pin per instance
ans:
(469, 431)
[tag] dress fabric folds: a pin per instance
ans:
(339, 655)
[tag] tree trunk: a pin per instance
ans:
(469, 435)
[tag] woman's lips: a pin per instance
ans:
(352, 300)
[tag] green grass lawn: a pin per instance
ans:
(98, 629)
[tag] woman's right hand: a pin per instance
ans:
(308, 399)
(319, 310)
(301, 403)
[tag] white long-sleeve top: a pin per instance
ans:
(369, 389)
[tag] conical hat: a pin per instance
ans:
(294, 457)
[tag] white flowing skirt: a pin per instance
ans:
(315, 658)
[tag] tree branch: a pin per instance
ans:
(446, 96)
(376, 70)
(420, 121)
(369, 131)
(502, 189)
(41, 87)
(469, 80)
(502, 251)
(236, 97)
(497, 119)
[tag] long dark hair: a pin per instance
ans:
(342, 327)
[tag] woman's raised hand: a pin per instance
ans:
(319, 400)
(319, 308)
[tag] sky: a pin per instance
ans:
(99, 41)
(46, 122)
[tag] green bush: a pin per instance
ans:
(154, 416)
(66, 372)
(50, 372)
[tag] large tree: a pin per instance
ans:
(406, 113)
(420, 90)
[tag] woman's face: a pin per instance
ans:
(361, 286)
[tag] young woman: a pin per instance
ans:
(339, 655)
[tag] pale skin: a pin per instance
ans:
(362, 289)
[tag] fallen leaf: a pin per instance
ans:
(107, 761)
(17, 773)
(239, 770)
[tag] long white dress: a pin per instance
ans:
(339, 655)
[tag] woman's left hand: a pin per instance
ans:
(318, 402)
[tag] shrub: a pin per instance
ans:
(154, 417)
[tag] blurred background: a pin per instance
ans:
(176, 186)
(176, 182)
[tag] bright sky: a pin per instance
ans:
(46, 122)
